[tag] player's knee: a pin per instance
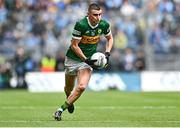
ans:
(82, 87)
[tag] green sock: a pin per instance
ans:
(65, 106)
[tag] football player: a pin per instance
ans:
(85, 38)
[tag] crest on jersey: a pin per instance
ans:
(99, 31)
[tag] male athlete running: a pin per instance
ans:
(85, 38)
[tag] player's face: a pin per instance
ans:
(95, 16)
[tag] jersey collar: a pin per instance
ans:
(90, 24)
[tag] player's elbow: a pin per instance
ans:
(74, 47)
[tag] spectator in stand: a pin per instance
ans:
(127, 9)
(22, 63)
(116, 61)
(129, 59)
(140, 63)
(48, 63)
(3, 12)
(113, 4)
(120, 40)
(5, 73)
(60, 57)
(159, 38)
(166, 6)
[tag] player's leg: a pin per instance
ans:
(83, 72)
(83, 78)
(69, 85)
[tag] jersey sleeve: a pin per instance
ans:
(77, 31)
(107, 29)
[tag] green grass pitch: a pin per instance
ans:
(20, 108)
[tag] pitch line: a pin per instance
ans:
(88, 121)
(90, 107)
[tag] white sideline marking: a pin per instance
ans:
(90, 107)
(118, 121)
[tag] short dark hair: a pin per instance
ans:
(94, 6)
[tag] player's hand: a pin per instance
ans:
(90, 62)
(107, 54)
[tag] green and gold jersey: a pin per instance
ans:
(89, 36)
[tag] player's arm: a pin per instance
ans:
(76, 38)
(109, 43)
(109, 37)
(76, 49)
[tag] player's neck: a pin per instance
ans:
(91, 23)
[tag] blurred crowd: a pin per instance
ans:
(35, 34)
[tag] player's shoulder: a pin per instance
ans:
(82, 22)
(104, 23)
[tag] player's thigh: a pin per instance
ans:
(70, 81)
(83, 76)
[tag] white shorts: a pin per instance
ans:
(72, 66)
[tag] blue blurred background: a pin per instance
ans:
(35, 34)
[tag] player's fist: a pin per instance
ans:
(107, 54)
(90, 62)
